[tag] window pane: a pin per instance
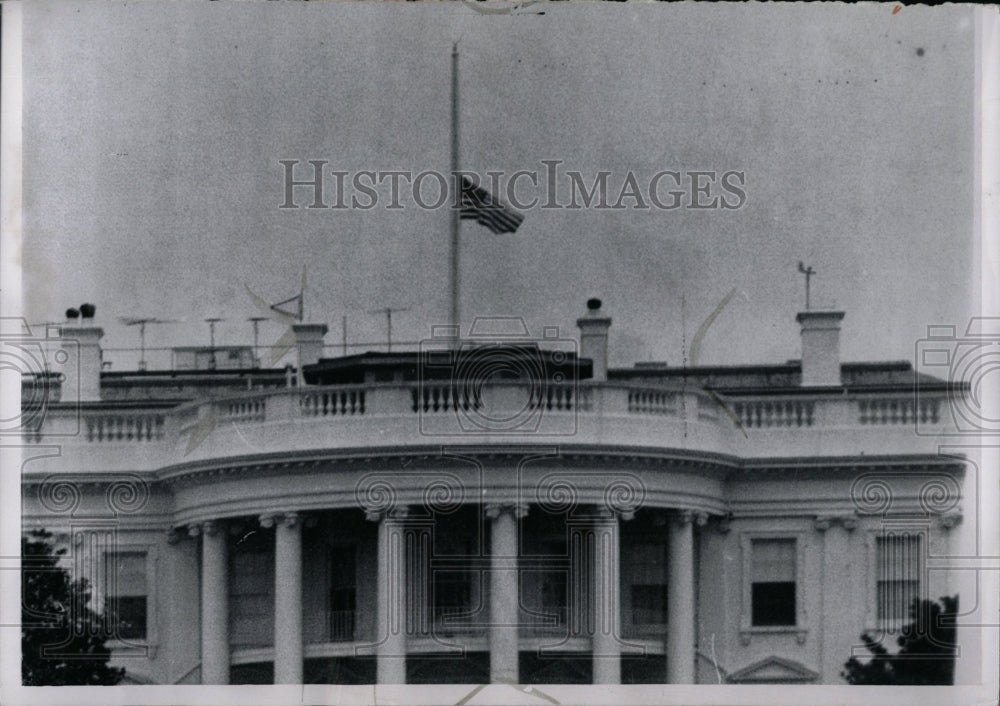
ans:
(646, 563)
(895, 597)
(126, 573)
(898, 572)
(251, 596)
(899, 557)
(649, 605)
(127, 616)
(773, 560)
(773, 603)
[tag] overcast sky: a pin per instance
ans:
(153, 134)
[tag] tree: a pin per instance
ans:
(62, 638)
(927, 649)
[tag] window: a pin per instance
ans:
(251, 591)
(647, 564)
(343, 593)
(772, 576)
(125, 601)
(452, 583)
(452, 592)
(898, 570)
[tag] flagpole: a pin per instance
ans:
(455, 223)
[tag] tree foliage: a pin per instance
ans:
(926, 653)
(62, 638)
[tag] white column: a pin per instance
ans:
(214, 604)
(503, 634)
(391, 597)
(680, 601)
(607, 604)
(287, 597)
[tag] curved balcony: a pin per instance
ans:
(597, 416)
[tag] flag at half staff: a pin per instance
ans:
(480, 205)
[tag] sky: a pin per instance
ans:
(153, 135)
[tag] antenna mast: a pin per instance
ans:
(211, 332)
(808, 272)
(388, 318)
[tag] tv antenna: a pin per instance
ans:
(388, 319)
(141, 323)
(299, 300)
(212, 321)
(808, 272)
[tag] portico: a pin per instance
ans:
(522, 594)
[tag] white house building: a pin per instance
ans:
(505, 511)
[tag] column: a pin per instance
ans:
(214, 603)
(287, 597)
(503, 635)
(391, 597)
(607, 603)
(680, 601)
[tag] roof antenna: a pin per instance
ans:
(141, 323)
(808, 272)
(387, 310)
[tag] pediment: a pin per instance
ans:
(774, 670)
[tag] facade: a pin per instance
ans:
(494, 511)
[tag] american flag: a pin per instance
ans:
(480, 205)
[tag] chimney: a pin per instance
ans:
(309, 343)
(594, 338)
(81, 370)
(820, 347)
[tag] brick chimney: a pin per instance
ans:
(594, 338)
(81, 367)
(820, 347)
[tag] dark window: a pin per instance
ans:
(343, 593)
(125, 594)
(646, 565)
(649, 605)
(452, 590)
(774, 603)
(773, 582)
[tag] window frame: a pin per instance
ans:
(151, 641)
(872, 620)
(630, 585)
(352, 549)
(747, 628)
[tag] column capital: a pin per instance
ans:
(399, 514)
(518, 510)
(283, 519)
(211, 528)
(683, 517)
(823, 522)
(606, 514)
(176, 534)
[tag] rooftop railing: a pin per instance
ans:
(399, 414)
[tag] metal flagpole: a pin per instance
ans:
(455, 222)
